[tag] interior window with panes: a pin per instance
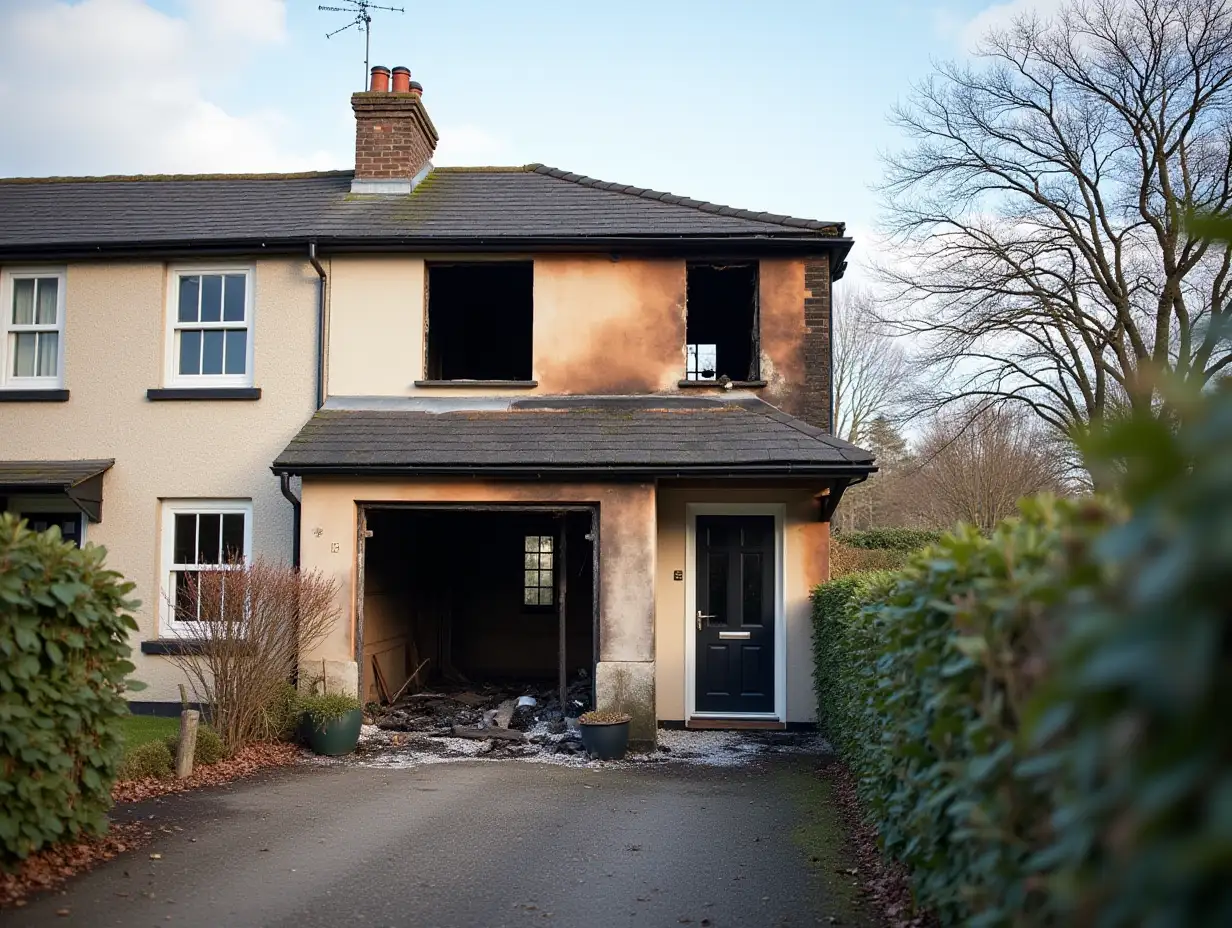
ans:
(537, 581)
(203, 539)
(33, 324)
(212, 328)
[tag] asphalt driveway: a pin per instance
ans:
(471, 844)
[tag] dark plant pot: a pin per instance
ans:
(609, 742)
(337, 736)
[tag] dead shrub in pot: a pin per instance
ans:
(248, 622)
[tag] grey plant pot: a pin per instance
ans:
(609, 742)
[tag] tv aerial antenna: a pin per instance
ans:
(362, 19)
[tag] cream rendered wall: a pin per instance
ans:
(376, 325)
(600, 326)
(806, 560)
(114, 344)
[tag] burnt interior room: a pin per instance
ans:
(476, 595)
(721, 322)
(480, 320)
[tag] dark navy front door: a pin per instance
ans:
(735, 614)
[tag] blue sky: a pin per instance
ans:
(764, 104)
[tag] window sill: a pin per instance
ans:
(719, 385)
(488, 384)
(33, 396)
(204, 393)
(171, 646)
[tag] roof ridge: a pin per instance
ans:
(835, 229)
(131, 178)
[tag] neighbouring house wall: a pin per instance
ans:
(806, 563)
(626, 565)
(113, 352)
(601, 326)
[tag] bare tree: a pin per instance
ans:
(869, 367)
(250, 620)
(976, 463)
(1040, 207)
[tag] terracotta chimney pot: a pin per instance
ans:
(402, 80)
(380, 79)
(416, 88)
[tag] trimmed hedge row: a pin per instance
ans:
(63, 659)
(1038, 719)
(924, 679)
(888, 539)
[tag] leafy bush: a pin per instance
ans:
(210, 749)
(152, 759)
(282, 714)
(842, 644)
(1132, 728)
(889, 539)
(323, 708)
(1038, 720)
(923, 692)
(63, 659)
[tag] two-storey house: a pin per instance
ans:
(533, 424)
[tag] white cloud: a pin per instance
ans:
(258, 21)
(115, 86)
(1001, 16)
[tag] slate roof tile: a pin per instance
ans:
(651, 433)
(532, 201)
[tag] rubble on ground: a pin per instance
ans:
(511, 720)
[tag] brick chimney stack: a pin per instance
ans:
(394, 137)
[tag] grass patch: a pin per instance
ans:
(142, 729)
(822, 836)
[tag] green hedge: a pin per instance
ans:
(1132, 725)
(63, 659)
(923, 691)
(1038, 719)
(888, 539)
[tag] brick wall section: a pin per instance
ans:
(815, 406)
(394, 138)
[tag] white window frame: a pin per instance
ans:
(8, 328)
(168, 625)
(171, 375)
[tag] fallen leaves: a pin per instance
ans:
(885, 883)
(245, 762)
(51, 866)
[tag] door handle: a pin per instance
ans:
(701, 615)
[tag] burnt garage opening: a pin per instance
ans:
(478, 597)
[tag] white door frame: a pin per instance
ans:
(692, 511)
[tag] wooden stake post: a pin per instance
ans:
(186, 749)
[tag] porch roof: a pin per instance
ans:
(542, 436)
(80, 481)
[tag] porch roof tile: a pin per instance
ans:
(651, 434)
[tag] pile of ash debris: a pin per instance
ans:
(514, 720)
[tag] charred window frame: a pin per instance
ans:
(722, 322)
(479, 321)
(539, 572)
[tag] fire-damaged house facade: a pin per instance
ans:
(564, 429)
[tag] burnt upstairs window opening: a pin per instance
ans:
(480, 321)
(721, 328)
